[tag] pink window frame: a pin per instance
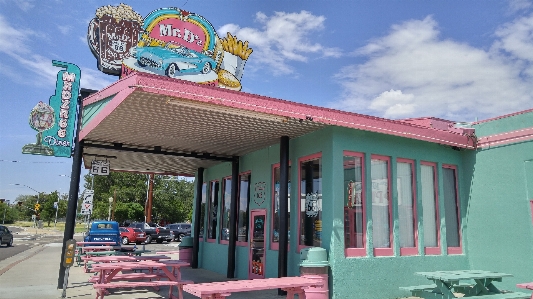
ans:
(388, 251)
(299, 247)
(411, 250)
(456, 250)
(434, 250)
(223, 202)
(359, 252)
(206, 201)
(275, 245)
(209, 211)
(248, 172)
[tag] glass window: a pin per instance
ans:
(354, 205)
(451, 209)
(381, 207)
(202, 211)
(226, 209)
(310, 204)
(430, 208)
(275, 206)
(244, 202)
(213, 210)
(406, 207)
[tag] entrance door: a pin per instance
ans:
(256, 264)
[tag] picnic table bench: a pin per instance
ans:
(220, 290)
(528, 285)
(446, 284)
(109, 276)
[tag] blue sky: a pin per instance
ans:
(458, 60)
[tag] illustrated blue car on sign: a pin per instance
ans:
(174, 60)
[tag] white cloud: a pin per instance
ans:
(64, 29)
(519, 5)
(283, 38)
(96, 80)
(412, 72)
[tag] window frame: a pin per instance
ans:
(307, 158)
(275, 245)
(406, 251)
(359, 252)
(222, 208)
(208, 239)
(202, 224)
(456, 250)
(434, 250)
(247, 221)
(384, 251)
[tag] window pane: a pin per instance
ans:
(450, 207)
(276, 216)
(429, 208)
(354, 204)
(202, 211)
(311, 203)
(244, 200)
(213, 210)
(380, 203)
(226, 209)
(406, 204)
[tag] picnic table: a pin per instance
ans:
(446, 283)
(94, 243)
(109, 276)
(527, 285)
(220, 290)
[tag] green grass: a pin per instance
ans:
(79, 228)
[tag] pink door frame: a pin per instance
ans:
(257, 269)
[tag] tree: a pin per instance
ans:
(8, 213)
(172, 199)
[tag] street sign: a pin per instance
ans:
(69, 253)
(87, 204)
(55, 205)
(37, 207)
(100, 167)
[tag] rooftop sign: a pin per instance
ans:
(169, 42)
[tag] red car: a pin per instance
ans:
(133, 235)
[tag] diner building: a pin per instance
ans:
(385, 198)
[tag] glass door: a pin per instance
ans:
(256, 265)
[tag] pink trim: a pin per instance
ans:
(209, 211)
(223, 97)
(240, 243)
(358, 252)
(222, 207)
(503, 116)
(456, 250)
(300, 160)
(386, 251)
(112, 105)
(434, 250)
(411, 250)
(506, 138)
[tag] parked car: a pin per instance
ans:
(103, 231)
(153, 232)
(180, 230)
(131, 235)
(174, 59)
(6, 237)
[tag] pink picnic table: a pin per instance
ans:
(223, 289)
(158, 275)
(95, 248)
(94, 243)
(528, 285)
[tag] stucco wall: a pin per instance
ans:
(368, 277)
(380, 277)
(499, 218)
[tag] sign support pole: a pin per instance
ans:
(70, 221)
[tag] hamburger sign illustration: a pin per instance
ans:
(169, 42)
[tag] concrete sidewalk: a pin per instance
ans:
(34, 274)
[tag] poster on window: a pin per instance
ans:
(380, 192)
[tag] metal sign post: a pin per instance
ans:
(68, 261)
